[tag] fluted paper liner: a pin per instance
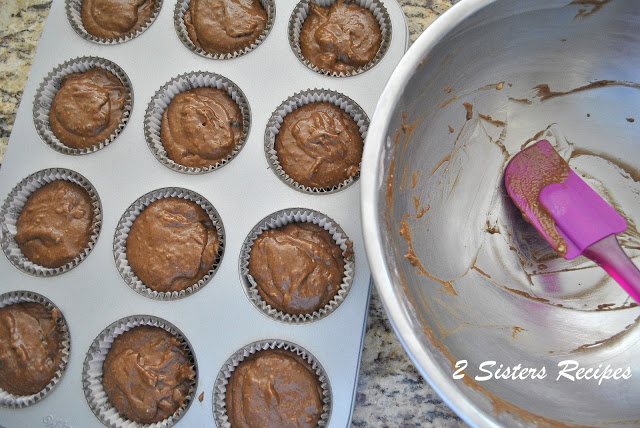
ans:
(122, 233)
(14, 205)
(282, 218)
(92, 372)
(222, 380)
(182, 6)
(294, 102)
(74, 15)
(301, 12)
(164, 96)
(17, 401)
(50, 86)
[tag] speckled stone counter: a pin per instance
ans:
(390, 392)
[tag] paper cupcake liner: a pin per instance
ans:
(164, 96)
(282, 218)
(74, 15)
(17, 401)
(222, 380)
(92, 372)
(294, 102)
(50, 86)
(178, 21)
(122, 233)
(300, 13)
(14, 205)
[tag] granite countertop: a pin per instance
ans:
(390, 391)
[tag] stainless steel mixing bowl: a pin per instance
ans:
(464, 278)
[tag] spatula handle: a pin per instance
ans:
(610, 256)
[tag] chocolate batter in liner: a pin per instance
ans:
(48, 89)
(222, 380)
(14, 205)
(282, 218)
(301, 12)
(122, 233)
(298, 100)
(74, 15)
(162, 99)
(17, 401)
(92, 371)
(182, 7)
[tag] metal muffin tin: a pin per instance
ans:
(219, 319)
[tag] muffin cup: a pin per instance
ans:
(182, 6)
(222, 380)
(294, 102)
(164, 96)
(74, 15)
(282, 218)
(16, 401)
(92, 372)
(122, 233)
(300, 13)
(50, 86)
(14, 205)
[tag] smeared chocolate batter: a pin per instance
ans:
(340, 38)
(201, 127)
(319, 145)
(172, 244)
(115, 18)
(274, 389)
(87, 108)
(550, 168)
(224, 26)
(147, 374)
(298, 268)
(54, 226)
(30, 347)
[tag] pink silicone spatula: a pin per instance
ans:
(568, 213)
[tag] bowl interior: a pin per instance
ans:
(463, 276)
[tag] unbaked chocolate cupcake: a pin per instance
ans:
(51, 222)
(314, 141)
(83, 105)
(111, 21)
(55, 224)
(169, 243)
(34, 348)
(140, 354)
(87, 108)
(197, 122)
(247, 383)
(340, 37)
(140, 370)
(172, 245)
(223, 29)
(297, 266)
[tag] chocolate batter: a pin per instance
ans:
(54, 226)
(319, 145)
(298, 268)
(147, 374)
(551, 168)
(87, 108)
(274, 389)
(201, 127)
(110, 19)
(30, 347)
(224, 26)
(172, 244)
(340, 38)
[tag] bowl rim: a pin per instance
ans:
(398, 311)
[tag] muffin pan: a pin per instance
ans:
(219, 319)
